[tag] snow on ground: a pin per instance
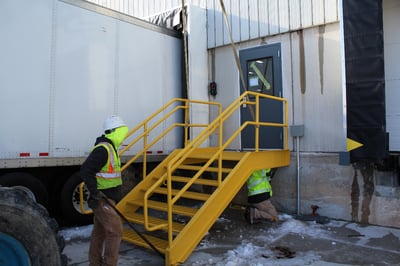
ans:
(248, 253)
(252, 246)
(73, 233)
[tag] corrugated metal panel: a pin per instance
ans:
(318, 12)
(219, 26)
(249, 19)
(253, 19)
(235, 24)
(228, 13)
(139, 9)
(200, 3)
(263, 18)
(331, 10)
(306, 13)
(273, 13)
(210, 23)
(283, 16)
(294, 14)
(244, 21)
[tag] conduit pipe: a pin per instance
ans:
(297, 131)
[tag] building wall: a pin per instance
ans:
(315, 97)
(249, 19)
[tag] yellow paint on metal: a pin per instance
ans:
(352, 144)
(179, 241)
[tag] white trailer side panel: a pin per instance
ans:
(147, 81)
(118, 68)
(24, 77)
(66, 66)
(84, 78)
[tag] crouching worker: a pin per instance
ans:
(101, 173)
(259, 193)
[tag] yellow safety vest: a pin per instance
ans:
(110, 175)
(258, 183)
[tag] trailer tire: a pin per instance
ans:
(28, 183)
(28, 236)
(69, 202)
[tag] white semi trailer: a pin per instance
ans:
(65, 65)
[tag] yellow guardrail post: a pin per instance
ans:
(82, 201)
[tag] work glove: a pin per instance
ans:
(94, 198)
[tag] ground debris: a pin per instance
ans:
(281, 252)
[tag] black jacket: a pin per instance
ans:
(93, 164)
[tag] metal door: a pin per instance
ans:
(262, 73)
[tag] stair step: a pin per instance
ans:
(161, 206)
(199, 181)
(206, 153)
(153, 221)
(132, 237)
(187, 194)
(177, 209)
(198, 167)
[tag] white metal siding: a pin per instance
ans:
(273, 17)
(319, 105)
(391, 22)
(211, 20)
(294, 17)
(249, 19)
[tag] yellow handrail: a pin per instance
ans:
(199, 140)
(149, 125)
(82, 201)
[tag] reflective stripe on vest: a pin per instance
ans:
(110, 175)
(258, 183)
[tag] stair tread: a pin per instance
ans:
(198, 167)
(139, 219)
(200, 181)
(178, 209)
(132, 237)
(186, 194)
(162, 206)
(206, 153)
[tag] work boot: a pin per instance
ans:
(274, 219)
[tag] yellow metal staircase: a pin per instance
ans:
(178, 201)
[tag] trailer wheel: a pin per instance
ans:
(70, 202)
(28, 183)
(28, 236)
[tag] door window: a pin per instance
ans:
(260, 75)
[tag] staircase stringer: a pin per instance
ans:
(206, 216)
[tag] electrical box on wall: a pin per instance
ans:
(297, 130)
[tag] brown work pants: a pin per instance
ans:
(106, 236)
(265, 210)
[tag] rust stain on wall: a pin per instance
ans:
(321, 30)
(367, 171)
(355, 194)
(302, 63)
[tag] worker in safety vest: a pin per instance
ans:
(259, 194)
(101, 173)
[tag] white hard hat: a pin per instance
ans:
(112, 122)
